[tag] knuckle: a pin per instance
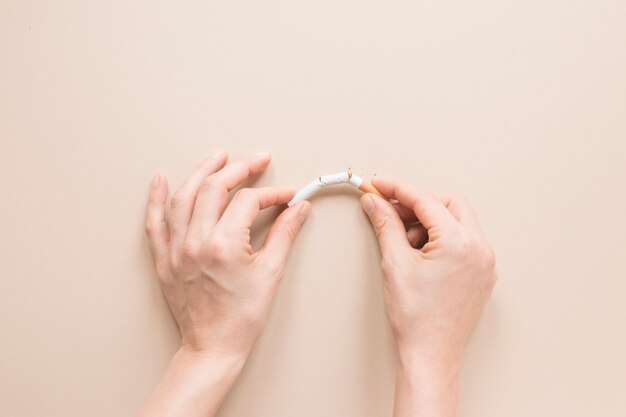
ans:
(212, 245)
(190, 249)
(213, 186)
(462, 245)
(380, 225)
(456, 199)
(386, 264)
(175, 261)
(466, 246)
(177, 199)
(216, 250)
(253, 317)
(290, 232)
(418, 206)
(149, 228)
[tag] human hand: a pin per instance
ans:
(438, 276)
(218, 289)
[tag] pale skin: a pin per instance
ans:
(438, 275)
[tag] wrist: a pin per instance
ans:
(228, 363)
(194, 384)
(434, 361)
(220, 342)
(425, 386)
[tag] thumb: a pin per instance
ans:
(387, 225)
(283, 233)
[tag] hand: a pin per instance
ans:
(438, 276)
(218, 289)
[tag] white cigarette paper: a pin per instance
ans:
(346, 177)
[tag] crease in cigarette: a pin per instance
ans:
(345, 177)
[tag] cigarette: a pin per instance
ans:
(346, 177)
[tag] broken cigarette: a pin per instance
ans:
(346, 177)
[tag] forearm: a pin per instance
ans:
(425, 388)
(194, 385)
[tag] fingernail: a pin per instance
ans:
(304, 211)
(155, 180)
(367, 202)
(263, 154)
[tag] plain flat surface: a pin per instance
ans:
(521, 106)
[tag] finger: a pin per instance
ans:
(462, 211)
(457, 205)
(213, 194)
(182, 202)
(427, 208)
(247, 203)
(156, 224)
(387, 225)
(282, 234)
(406, 214)
(417, 236)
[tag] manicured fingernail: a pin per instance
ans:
(367, 202)
(155, 180)
(305, 208)
(263, 154)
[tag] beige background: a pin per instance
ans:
(520, 105)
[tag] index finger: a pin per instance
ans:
(213, 192)
(427, 208)
(247, 203)
(462, 211)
